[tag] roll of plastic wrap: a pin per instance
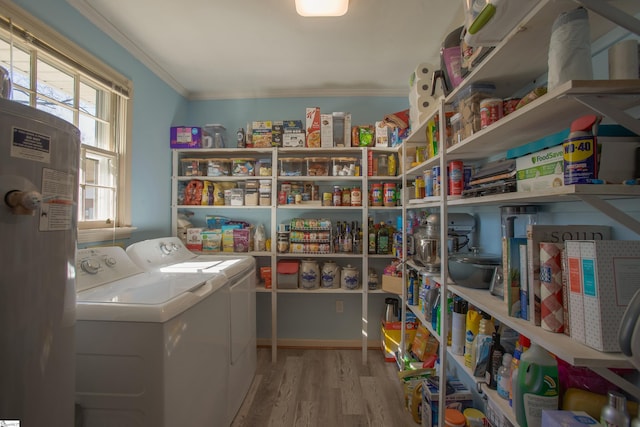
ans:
(551, 286)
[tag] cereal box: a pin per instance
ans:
(313, 127)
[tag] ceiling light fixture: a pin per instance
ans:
(322, 7)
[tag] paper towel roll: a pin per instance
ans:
(422, 71)
(623, 60)
(551, 286)
(421, 86)
(421, 102)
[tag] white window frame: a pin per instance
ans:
(90, 231)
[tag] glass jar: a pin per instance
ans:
(283, 242)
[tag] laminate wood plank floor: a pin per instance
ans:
(324, 387)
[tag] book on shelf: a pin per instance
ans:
(524, 281)
(610, 276)
(537, 233)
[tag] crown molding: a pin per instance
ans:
(109, 29)
(313, 92)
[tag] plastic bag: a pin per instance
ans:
(570, 48)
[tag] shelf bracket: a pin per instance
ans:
(613, 14)
(618, 380)
(602, 107)
(612, 212)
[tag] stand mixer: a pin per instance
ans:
(460, 228)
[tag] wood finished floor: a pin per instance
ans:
(320, 388)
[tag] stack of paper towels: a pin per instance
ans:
(421, 102)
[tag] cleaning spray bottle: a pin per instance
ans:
(537, 386)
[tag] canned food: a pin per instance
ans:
(456, 177)
(389, 194)
(376, 195)
(509, 105)
(490, 111)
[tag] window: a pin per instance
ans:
(51, 74)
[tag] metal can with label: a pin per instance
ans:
(376, 195)
(456, 177)
(389, 194)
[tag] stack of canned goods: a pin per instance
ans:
(458, 176)
(384, 194)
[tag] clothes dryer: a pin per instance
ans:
(146, 351)
(169, 255)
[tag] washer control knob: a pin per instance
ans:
(109, 261)
(90, 266)
(165, 248)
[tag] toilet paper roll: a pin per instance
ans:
(623, 60)
(422, 71)
(551, 286)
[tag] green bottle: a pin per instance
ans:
(537, 386)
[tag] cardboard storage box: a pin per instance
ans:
(567, 419)
(460, 399)
(185, 137)
(390, 333)
(541, 170)
(287, 270)
(392, 284)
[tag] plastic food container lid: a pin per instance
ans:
(454, 418)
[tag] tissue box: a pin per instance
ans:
(185, 137)
(541, 170)
(567, 419)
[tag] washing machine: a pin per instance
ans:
(169, 255)
(151, 347)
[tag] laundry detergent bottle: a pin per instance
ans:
(537, 384)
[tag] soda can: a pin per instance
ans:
(456, 177)
(436, 177)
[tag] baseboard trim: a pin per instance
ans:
(320, 344)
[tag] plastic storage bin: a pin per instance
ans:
(318, 166)
(243, 167)
(292, 166)
(346, 166)
(218, 167)
(193, 167)
(468, 105)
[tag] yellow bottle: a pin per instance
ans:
(392, 165)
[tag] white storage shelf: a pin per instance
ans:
(513, 66)
(559, 344)
(275, 214)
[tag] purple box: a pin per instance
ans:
(186, 137)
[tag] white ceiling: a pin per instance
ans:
(221, 49)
